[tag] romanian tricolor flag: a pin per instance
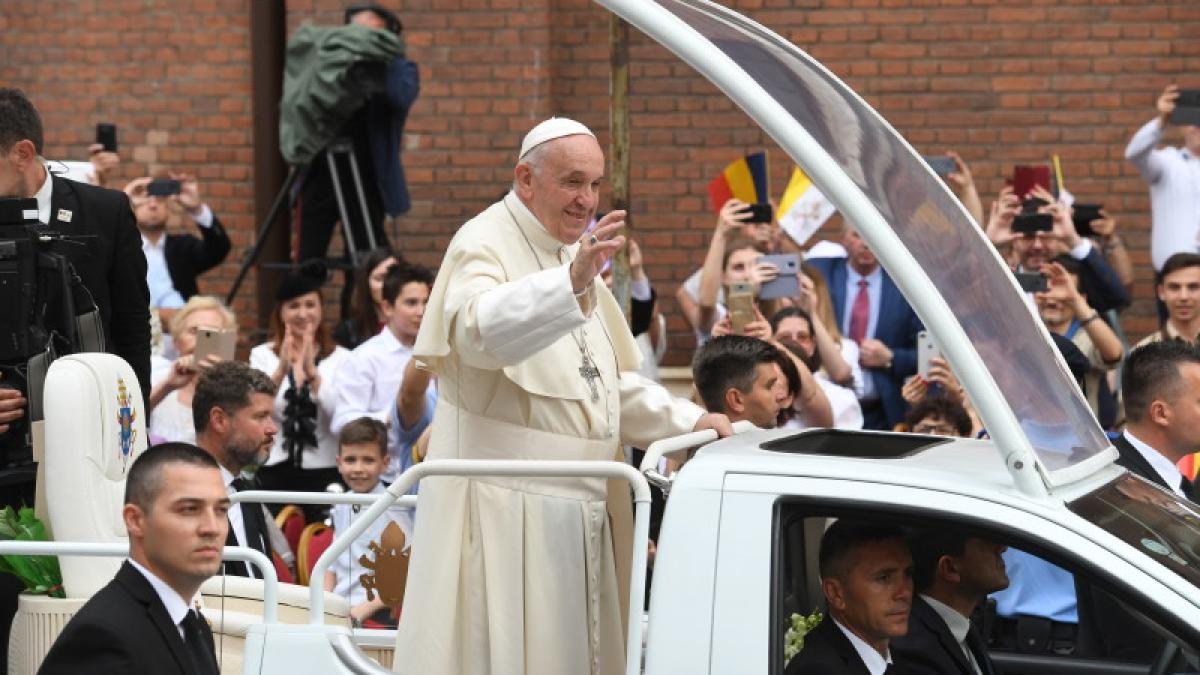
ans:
(745, 179)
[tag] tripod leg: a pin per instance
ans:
(263, 231)
(362, 201)
(347, 230)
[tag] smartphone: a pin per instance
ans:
(106, 135)
(223, 343)
(1187, 108)
(927, 350)
(941, 164)
(1083, 215)
(759, 213)
(1032, 282)
(787, 284)
(163, 187)
(1025, 178)
(739, 301)
(1030, 223)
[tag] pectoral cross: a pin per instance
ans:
(589, 372)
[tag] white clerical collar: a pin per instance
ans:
(538, 234)
(43, 199)
(1163, 466)
(876, 664)
(177, 608)
(958, 624)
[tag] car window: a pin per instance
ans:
(1161, 524)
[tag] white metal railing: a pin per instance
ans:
(281, 497)
(115, 550)
(510, 468)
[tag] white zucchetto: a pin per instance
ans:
(555, 127)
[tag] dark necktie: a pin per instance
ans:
(978, 650)
(203, 659)
(253, 523)
(860, 312)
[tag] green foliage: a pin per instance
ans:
(39, 573)
(798, 627)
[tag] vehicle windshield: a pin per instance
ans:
(932, 225)
(1159, 523)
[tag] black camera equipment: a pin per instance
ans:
(47, 311)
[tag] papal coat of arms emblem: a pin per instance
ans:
(125, 418)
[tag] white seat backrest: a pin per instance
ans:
(95, 428)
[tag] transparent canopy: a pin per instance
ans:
(929, 221)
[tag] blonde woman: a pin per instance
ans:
(170, 402)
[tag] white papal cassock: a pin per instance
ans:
(514, 575)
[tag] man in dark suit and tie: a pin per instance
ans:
(1159, 384)
(174, 261)
(231, 410)
(866, 574)
(952, 572)
(103, 243)
(872, 312)
(142, 622)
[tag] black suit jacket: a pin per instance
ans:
(929, 647)
(1112, 631)
(189, 256)
(827, 651)
(109, 261)
(124, 629)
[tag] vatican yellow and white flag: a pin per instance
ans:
(803, 208)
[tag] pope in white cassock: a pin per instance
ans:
(534, 361)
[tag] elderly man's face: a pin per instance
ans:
(563, 190)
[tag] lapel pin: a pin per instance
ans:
(65, 216)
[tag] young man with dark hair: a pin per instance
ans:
(231, 410)
(1178, 289)
(866, 574)
(952, 573)
(740, 377)
(141, 622)
(370, 380)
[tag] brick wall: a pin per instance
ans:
(1000, 82)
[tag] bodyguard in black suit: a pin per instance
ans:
(142, 621)
(953, 572)
(866, 574)
(103, 243)
(1159, 385)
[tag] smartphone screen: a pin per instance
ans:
(739, 301)
(162, 187)
(106, 135)
(1083, 215)
(1032, 282)
(1187, 108)
(1030, 223)
(941, 164)
(787, 284)
(759, 213)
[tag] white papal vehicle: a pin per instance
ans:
(736, 554)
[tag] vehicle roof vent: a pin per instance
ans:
(863, 444)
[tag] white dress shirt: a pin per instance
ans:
(875, 662)
(1165, 468)
(236, 522)
(959, 626)
(1174, 178)
(43, 199)
(177, 608)
(370, 379)
(158, 276)
(346, 568)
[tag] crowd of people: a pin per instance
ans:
(512, 351)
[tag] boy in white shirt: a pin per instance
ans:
(361, 459)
